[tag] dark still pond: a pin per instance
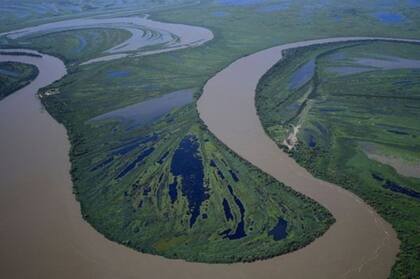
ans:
(187, 163)
(279, 230)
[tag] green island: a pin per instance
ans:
(335, 105)
(14, 76)
(134, 181)
(129, 187)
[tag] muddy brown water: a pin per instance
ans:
(43, 235)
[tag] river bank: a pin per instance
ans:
(227, 107)
(46, 233)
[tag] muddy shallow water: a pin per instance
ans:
(43, 234)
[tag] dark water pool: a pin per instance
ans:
(102, 164)
(163, 157)
(311, 141)
(377, 176)
(124, 149)
(173, 191)
(279, 230)
(132, 144)
(187, 163)
(234, 176)
(240, 227)
(145, 153)
(390, 185)
(389, 17)
(228, 212)
(220, 174)
(395, 187)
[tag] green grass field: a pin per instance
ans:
(346, 105)
(14, 76)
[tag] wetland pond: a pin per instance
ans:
(187, 163)
(146, 112)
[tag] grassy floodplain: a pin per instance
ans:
(349, 100)
(125, 205)
(74, 47)
(14, 15)
(14, 76)
(134, 205)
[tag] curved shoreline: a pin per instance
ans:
(360, 244)
(172, 36)
(44, 234)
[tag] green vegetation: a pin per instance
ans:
(359, 96)
(14, 76)
(15, 14)
(136, 208)
(77, 46)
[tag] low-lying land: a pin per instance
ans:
(162, 184)
(76, 46)
(124, 175)
(171, 189)
(350, 99)
(14, 76)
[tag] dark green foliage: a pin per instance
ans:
(14, 76)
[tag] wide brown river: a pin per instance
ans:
(43, 235)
